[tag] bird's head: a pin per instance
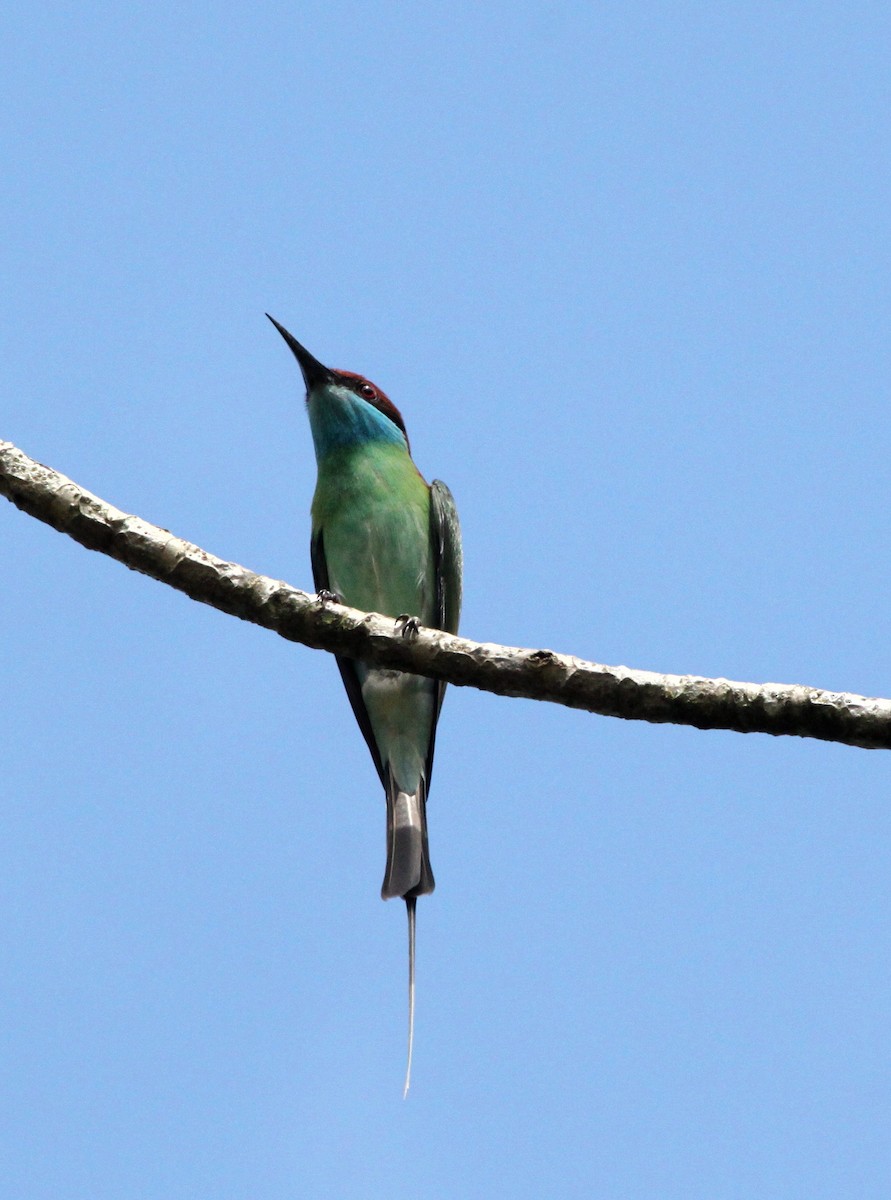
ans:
(340, 401)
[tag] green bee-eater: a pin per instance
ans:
(384, 541)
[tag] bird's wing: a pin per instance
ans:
(346, 666)
(445, 538)
(445, 541)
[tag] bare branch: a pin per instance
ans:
(506, 670)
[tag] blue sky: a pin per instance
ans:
(624, 268)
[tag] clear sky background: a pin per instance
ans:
(625, 269)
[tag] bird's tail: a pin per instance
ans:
(408, 870)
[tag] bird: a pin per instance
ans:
(384, 540)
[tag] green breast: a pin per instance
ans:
(373, 510)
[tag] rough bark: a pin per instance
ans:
(505, 670)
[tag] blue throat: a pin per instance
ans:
(339, 418)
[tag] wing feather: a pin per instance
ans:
(346, 666)
(445, 542)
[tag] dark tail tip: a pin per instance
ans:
(408, 872)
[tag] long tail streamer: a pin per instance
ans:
(411, 903)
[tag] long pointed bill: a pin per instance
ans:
(411, 903)
(314, 373)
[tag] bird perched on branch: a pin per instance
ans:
(383, 540)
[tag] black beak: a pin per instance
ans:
(314, 373)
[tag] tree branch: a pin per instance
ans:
(505, 670)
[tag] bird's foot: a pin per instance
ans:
(325, 597)
(408, 626)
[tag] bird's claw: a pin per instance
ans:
(408, 626)
(325, 597)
